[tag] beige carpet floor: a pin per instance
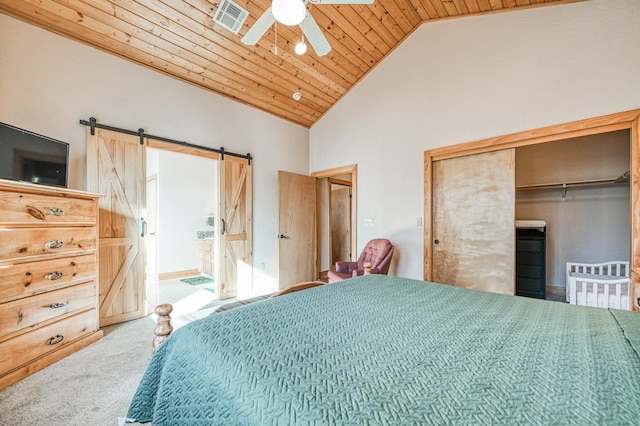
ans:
(90, 387)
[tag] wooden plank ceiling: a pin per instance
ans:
(180, 39)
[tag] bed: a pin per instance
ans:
(388, 351)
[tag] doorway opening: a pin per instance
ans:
(182, 204)
(337, 217)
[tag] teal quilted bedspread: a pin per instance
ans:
(379, 350)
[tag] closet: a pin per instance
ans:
(580, 188)
(597, 181)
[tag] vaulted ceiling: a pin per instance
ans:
(180, 39)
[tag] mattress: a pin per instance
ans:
(390, 351)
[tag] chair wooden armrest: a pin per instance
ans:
(366, 271)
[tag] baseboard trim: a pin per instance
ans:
(178, 274)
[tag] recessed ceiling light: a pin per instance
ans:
(297, 96)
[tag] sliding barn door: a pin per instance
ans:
(473, 221)
(235, 274)
(297, 250)
(116, 169)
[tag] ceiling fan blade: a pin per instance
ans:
(316, 2)
(314, 35)
(258, 29)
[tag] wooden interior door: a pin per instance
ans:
(297, 251)
(234, 275)
(634, 292)
(152, 290)
(340, 224)
(473, 221)
(116, 169)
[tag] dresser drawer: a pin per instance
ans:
(24, 278)
(26, 347)
(22, 243)
(27, 312)
(25, 208)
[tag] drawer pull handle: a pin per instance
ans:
(58, 305)
(56, 212)
(54, 244)
(55, 339)
(55, 275)
(35, 212)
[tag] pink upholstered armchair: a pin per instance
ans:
(377, 252)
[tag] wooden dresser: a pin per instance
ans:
(48, 269)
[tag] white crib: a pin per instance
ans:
(603, 285)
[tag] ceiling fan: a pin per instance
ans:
(294, 12)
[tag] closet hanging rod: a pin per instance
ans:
(624, 177)
(564, 185)
(140, 132)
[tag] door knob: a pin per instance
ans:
(436, 242)
(282, 236)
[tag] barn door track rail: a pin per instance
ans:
(93, 123)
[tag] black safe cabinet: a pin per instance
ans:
(530, 262)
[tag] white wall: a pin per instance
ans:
(465, 79)
(48, 83)
(187, 195)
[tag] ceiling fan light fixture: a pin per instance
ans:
(301, 48)
(289, 12)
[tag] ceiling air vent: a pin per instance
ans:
(230, 15)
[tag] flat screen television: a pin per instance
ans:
(29, 157)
